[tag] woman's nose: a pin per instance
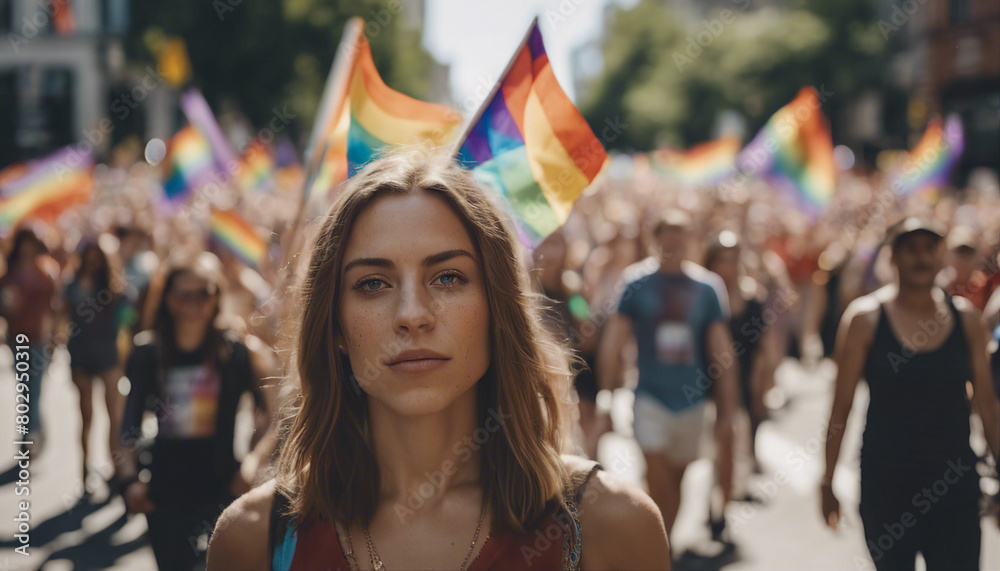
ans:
(415, 309)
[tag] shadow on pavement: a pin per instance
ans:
(69, 520)
(10, 476)
(711, 558)
(97, 552)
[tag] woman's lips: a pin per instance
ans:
(418, 365)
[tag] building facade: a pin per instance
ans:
(961, 44)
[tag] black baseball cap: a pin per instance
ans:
(911, 225)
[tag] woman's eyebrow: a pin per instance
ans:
(446, 255)
(428, 261)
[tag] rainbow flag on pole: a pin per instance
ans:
(360, 115)
(929, 164)
(200, 115)
(531, 145)
(256, 166)
(702, 165)
(45, 188)
(794, 151)
(191, 163)
(234, 233)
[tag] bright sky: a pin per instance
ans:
(478, 37)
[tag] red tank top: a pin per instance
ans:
(552, 544)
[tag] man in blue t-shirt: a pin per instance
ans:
(678, 312)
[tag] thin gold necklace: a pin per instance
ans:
(377, 561)
(350, 548)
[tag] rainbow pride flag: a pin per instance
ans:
(233, 232)
(10, 173)
(191, 165)
(531, 145)
(256, 166)
(45, 188)
(702, 165)
(794, 151)
(288, 174)
(200, 116)
(928, 166)
(364, 116)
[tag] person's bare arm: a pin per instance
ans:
(992, 310)
(265, 369)
(240, 538)
(725, 393)
(851, 350)
(984, 398)
(815, 307)
(622, 527)
(134, 491)
(764, 365)
(609, 356)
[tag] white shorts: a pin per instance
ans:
(676, 434)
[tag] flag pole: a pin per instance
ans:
(331, 106)
(340, 70)
(496, 88)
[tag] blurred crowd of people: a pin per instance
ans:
(132, 285)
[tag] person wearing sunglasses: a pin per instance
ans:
(191, 374)
(429, 420)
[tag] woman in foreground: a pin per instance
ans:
(429, 421)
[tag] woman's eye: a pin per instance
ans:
(451, 279)
(369, 285)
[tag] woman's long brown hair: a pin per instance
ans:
(327, 467)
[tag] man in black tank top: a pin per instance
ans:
(916, 348)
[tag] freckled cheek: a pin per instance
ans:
(472, 323)
(363, 330)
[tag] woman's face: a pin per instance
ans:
(727, 265)
(411, 280)
(92, 259)
(30, 249)
(191, 299)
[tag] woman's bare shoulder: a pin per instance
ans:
(576, 464)
(614, 514)
(240, 539)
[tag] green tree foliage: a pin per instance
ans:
(668, 75)
(265, 54)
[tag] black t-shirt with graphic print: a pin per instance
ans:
(195, 401)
